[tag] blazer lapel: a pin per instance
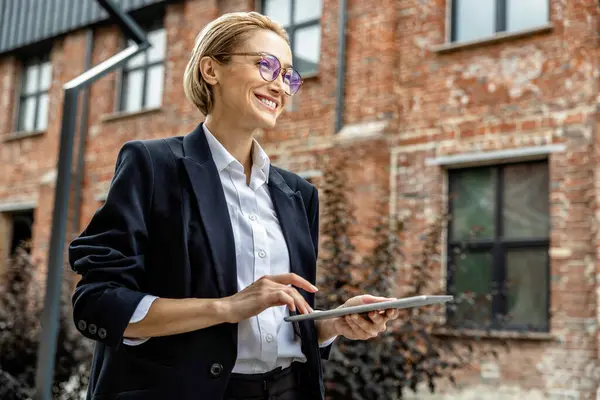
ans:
(206, 184)
(292, 217)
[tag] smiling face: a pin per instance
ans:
(240, 92)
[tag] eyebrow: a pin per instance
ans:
(284, 65)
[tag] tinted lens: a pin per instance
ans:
(269, 68)
(293, 80)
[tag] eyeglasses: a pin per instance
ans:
(270, 69)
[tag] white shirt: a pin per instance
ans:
(265, 341)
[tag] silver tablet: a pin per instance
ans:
(408, 302)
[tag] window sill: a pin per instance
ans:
(313, 76)
(22, 135)
(500, 37)
(121, 115)
(496, 334)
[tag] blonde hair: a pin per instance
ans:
(217, 39)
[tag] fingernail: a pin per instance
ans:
(314, 288)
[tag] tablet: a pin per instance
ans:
(407, 302)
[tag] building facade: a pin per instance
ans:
(487, 107)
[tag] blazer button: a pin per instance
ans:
(102, 333)
(81, 325)
(92, 329)
(216, 369)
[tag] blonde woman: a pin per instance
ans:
(203, 247)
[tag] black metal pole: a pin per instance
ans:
(341, 68)
(51, 312)
(50, 317)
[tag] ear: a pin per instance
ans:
(209, 70)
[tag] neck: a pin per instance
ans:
(236, 140)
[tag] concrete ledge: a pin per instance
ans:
(499, 37)
(18, 206)
(496, 334)
(311, 173)
(101, 196)
(364, 130)
(496, 157)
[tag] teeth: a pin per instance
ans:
(268, 102)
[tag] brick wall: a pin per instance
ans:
(405, 102)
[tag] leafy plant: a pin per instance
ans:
(410, 353)
(21, 306)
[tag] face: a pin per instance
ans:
(241, 93)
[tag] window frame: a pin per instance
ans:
(158, 24)
(27, 62)
(497, 246)
(500, 21)
(291, 31)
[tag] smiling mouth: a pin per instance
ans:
(269, 104)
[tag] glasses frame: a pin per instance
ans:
(282, 71)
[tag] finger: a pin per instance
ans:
(392, 314)
(301, 304)
(295, 280)
(370, 328)
(281, 298)
(368, 299)
(357, 330)
(377, 318)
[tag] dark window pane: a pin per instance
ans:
(475, 19)
(133, 86)
(307, 49)
(472, 203)
(22, 223)
(307, 10)
(472, 287)
(526, 200)
(526, 14)
(527, 288)
(279, 10)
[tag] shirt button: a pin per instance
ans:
(253, 217)
(262, 254)
(269, 338)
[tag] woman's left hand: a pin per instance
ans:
(356, 327)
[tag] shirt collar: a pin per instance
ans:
(223, 158)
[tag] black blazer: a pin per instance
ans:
(165, 230)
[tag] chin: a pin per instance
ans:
(265, 120)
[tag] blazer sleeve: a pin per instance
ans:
(109, 254)
(313, 220)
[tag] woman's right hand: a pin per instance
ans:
(268, 291)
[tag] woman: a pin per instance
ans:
(203, 247)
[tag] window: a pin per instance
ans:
(15, 231)
(33, 100)
(498, 247)
(143, 75)
(301, 20)
(476, 19)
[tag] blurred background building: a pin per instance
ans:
(487, 106)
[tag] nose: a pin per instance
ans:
(277, 84)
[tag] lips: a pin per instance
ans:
(268, 102)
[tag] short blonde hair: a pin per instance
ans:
(220, 37)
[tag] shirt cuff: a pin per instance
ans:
(139, 314)
(327, 342)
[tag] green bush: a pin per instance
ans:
(411, 353)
